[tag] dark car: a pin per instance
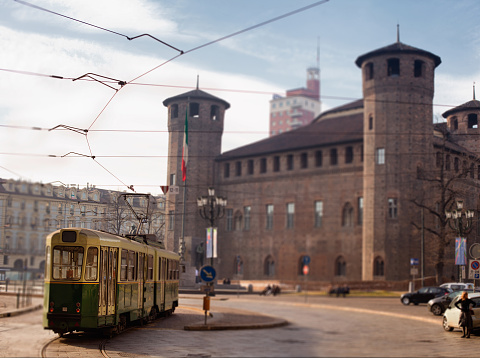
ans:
(423, 295)
(438, 305)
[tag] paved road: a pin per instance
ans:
(319, 327)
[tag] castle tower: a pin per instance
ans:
(463, 124)
(205, 128)
(398, 87)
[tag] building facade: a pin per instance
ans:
(298, 108)
(356, 193)
(30, 211)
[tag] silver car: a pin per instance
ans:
(451, 315)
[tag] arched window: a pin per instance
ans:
(340, 266)
(333, 156)
(472, 120)
(18, 264)
(456, 164)
(393, 67)
(347, 215)
(349, 154)
(214, 113)
(194, 109)
(370, 122)
(237, 220)
(378, 266)
(369, 71)
(269, 266)
(174, 111)
(418, 68)
(454, 123)
(447, 162)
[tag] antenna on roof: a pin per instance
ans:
(398, 33)
(198, 79)
(473, 90)
(318, 52)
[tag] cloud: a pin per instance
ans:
(125, 154)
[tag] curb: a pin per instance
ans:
(232, 327)
(21, 311)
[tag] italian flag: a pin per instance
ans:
(185, 148)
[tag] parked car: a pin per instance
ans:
(457, 286)
(451, 315)
(423, 295)
(438, 305)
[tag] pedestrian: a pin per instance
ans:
(465, 304)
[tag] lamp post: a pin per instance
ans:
(460, 220)
(211, 208)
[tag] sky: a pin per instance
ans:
(117, 137)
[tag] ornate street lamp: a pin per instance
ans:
(211, 208)
(460, 220)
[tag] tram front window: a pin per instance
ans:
(67, 262)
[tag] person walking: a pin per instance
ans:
(465, 304)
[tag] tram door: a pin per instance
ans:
(108, 280)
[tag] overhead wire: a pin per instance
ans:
(171, 59)
(95, 26)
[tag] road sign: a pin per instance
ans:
(475, 251)
(474, 265)
(473, 268)
(305, 270)
(174, 189)
(414, 262)
(306, 260)
(207, 273)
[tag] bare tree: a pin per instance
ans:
(442, 186)
(118, 214)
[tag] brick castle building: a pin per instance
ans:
(358, 192)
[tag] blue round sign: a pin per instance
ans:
(207, 273)
(306, 260)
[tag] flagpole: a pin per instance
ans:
(184, 177)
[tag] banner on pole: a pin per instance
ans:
(460, 251)
(211, 242)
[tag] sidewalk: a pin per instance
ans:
(9, 302)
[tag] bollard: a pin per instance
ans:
(206, 306)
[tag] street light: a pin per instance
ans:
(211, 208)
(460, 220)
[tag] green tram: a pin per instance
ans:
(95, 280)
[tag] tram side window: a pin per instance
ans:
(91, 264)
(47, 262)
(141, 266)
(161, 273)
(67, 262)
(124, 265)
(131, 266)
(150, 268)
